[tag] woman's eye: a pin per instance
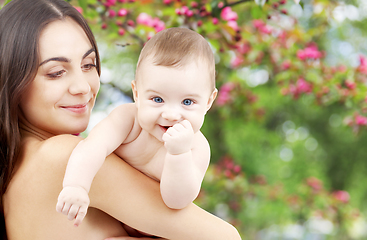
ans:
(187, 102)
(56, 74)
(157, 99)
(89, 66)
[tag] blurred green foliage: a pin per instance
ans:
(287, 131)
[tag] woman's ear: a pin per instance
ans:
(135, 91)
(211, 99)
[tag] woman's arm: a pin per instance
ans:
(133, 198)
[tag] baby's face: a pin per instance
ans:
(168, 95)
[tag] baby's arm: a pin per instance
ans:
(87, 158)
(186, 162)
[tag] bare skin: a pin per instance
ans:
(57, 104)
(41, 170)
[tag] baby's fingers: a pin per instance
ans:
(186, 124)
(59, 206)
(66, 208)
(81, 214)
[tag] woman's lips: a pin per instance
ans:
(79, 108)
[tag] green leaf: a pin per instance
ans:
(83, 4)
(6, 2)
(256, 12)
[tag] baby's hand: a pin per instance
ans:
(178, 138)
(73, 202)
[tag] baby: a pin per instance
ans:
(159, 134)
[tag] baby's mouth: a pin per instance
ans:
(164, 128)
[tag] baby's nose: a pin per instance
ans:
(171, 115)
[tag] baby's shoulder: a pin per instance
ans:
(124, 110)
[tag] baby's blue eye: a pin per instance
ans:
(157, 99)
(187, 102)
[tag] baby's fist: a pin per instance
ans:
(178, 138)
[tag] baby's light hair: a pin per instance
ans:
(177, 47)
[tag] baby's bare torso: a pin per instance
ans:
(144, 153)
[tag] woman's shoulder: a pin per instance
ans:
(58, 146)
(51, 153)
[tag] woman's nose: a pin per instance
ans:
(80, 85)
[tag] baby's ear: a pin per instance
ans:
(135, 91)
(211, 99)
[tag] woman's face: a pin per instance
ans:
(62, 95)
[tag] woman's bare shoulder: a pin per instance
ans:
(58, 146)
(52, 153)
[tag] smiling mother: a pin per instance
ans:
(49, 78)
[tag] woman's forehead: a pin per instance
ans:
(63, 38)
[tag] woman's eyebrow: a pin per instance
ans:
(64, 59)
(58, 59)
(88, 52)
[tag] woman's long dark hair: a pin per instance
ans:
(21, 23)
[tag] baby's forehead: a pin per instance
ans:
(196, 65)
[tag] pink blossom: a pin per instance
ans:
(261, 26)
(314, 183)
(111, 2)
(349, 84)
(223, 98)
(227, 87)
(178, 11)
(80, 10)
(166, 1)
(266, 29)
(224, 93)
(130, 23)
(236, 61)
(184, 10)
(362, 64)
(233, 25)
(257, 23)
(342, 196)
(122, 12)
(360, 120)
(243, 48)
(286, 64)
(158, 25)
(303, 86)
(220, 4)
(144, 19)
(228, 15)
(342, 68)
(310, 52)
(189, 13)
(237, 168)
(121, 31)
(215, 21)
(111, 13)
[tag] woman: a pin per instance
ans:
(49, 78)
